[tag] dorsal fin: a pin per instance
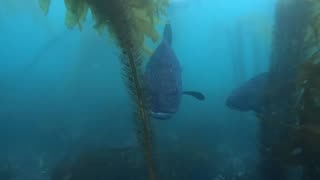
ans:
(167, 34)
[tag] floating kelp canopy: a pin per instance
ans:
(144, 15)
(129, 22)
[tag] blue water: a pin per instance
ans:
(62, 90)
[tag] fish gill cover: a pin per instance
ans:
(129, 22)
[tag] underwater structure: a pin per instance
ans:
(308, 110)
(291, 143)
(308, 94)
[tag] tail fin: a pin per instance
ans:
(167, 34)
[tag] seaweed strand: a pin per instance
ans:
(132, 62)
(128, 22)
(144, 119)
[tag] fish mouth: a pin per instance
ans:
(231, 105)
(161, 115)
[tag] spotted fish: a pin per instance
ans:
(250, 96)
(164, 81)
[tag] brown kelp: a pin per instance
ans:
(302, 146)
(291, 20)
(308, 106)
(312, 36)
(288, 51)
(296, 35)
(128, 22)
(308, 94)
(144, 16)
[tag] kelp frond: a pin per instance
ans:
(309, 72)
(146, 14)
(44, 5)
(313, 33)
(300, 138)
(129, 22)
(77, 11)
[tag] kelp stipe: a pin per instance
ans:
(132, 65)
(128, 22)
(132, 61)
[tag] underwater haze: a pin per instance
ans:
(62, 90)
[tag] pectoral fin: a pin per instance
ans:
(197, 95)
